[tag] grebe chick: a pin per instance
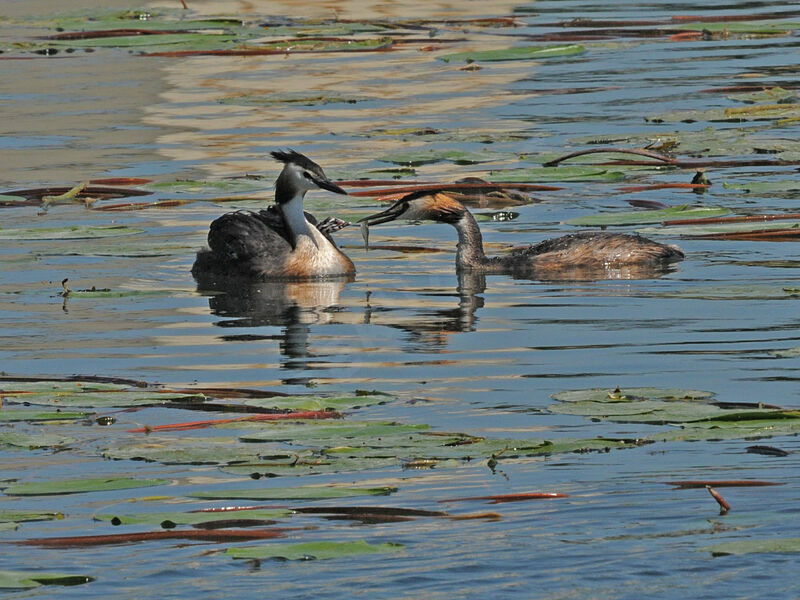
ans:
(282, 242)
(598, 251)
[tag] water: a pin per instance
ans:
(477, 356)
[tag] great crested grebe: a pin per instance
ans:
(589, 254)
(281, 242)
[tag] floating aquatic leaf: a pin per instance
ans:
(771, 545)
(193, 40)
(762, 187)
(517, 53)
(15, 439)
(771, 95)
(20, 580)
(191, 451)
(728, 229)
(546, 174)
(79, 486)
(193, 518)
(317, 403)
(214, 535)
(431, 156)
(32, 414)
(637, 217)
(296, 493)
(10, 515)
(327, 45)
(634, 394)
(313, 550)
(756, 112)
(108, 293)
(69, 232)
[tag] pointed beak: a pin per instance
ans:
(326, 184)
(395, 211)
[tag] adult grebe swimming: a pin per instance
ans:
(599, 251)
(282, 242)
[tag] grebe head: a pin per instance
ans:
(421, 206)
(300, 174)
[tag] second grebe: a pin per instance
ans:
(282, 242)
(599, 251)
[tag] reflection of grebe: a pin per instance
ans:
(281, 242)
(578, 255)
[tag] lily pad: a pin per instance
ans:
(769, 95)
(637, 217)
(741, 228)
(772, 545)
(297, 403)
(18, 516)
(33, 414)
(79, 486)
(70, 232)
(20, 580)
(517, 53)
(295, 493)
(90, 394)
(191, 451)
(431, 156)
(634, 394)
(194, 518)
(312, 550)
(763, 187)
(552, 174)
(19, 440)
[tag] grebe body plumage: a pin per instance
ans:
(583, 253)
(281, 242)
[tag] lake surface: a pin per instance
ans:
(477, 356)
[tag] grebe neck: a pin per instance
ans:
(295, 219)
(469, 253)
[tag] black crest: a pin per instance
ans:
(290, 156)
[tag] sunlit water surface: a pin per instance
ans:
(477, 356)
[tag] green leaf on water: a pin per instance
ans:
(19, 440)
(195, 518)
(634, 394)
(754, 112)
(302, 403)
(186, 41)
(79, 486)
(18, 516)
(516, 53)
(637, 217)
(762, 187)
(9, 414)
(552, 174)
(317, 45)
(295, 493)
(769, 95)
(312, 550)
(90, 394)
(771, 545)
(19, 580)
(69, 232)
(721, 228)
(431, 156)
(188, 451)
